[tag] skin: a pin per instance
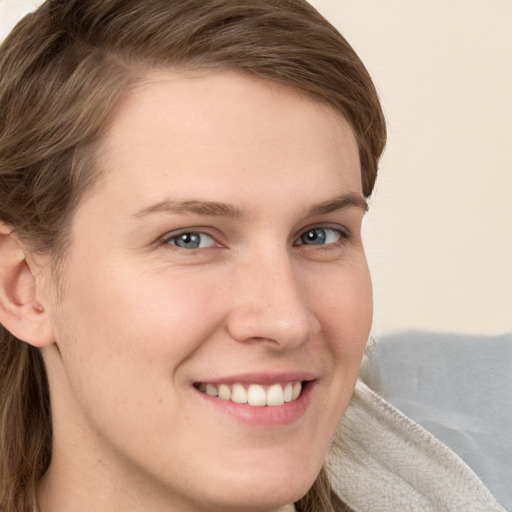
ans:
(138, 319)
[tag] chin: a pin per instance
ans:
(264, 488)
(257, 499)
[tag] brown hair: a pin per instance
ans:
(62, 70)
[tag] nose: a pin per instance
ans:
(270, 303)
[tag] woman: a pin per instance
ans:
(183, 186)
(184, 294)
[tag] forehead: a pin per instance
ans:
(191, 126)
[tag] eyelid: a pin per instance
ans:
(345, 233)
(171, 235)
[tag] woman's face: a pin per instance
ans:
(220, 253)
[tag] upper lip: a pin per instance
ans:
(262, 378)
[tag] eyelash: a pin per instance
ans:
(173, 237)
(342, 234)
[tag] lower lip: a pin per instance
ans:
(264, 416)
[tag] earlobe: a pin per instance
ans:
(20, 310)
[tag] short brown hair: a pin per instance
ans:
(63, 69)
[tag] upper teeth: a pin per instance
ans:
(254, 394)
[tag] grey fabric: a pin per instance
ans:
(459, 388)
(386, 462)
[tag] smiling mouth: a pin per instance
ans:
(254, 394)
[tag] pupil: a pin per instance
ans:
(314, 236)
(188, 240)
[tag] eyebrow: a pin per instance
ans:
(349, 200)
(210, 208)
(217, 209)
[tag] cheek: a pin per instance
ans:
(113, 326)
(345, 297)
(123, 342)
(346, 310)
(136, 310)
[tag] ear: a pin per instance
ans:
(21, 312)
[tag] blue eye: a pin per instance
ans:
(191, 240)
(320, 236)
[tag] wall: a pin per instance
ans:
(440, 228)
(439, 231)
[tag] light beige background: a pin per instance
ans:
(439, 230)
